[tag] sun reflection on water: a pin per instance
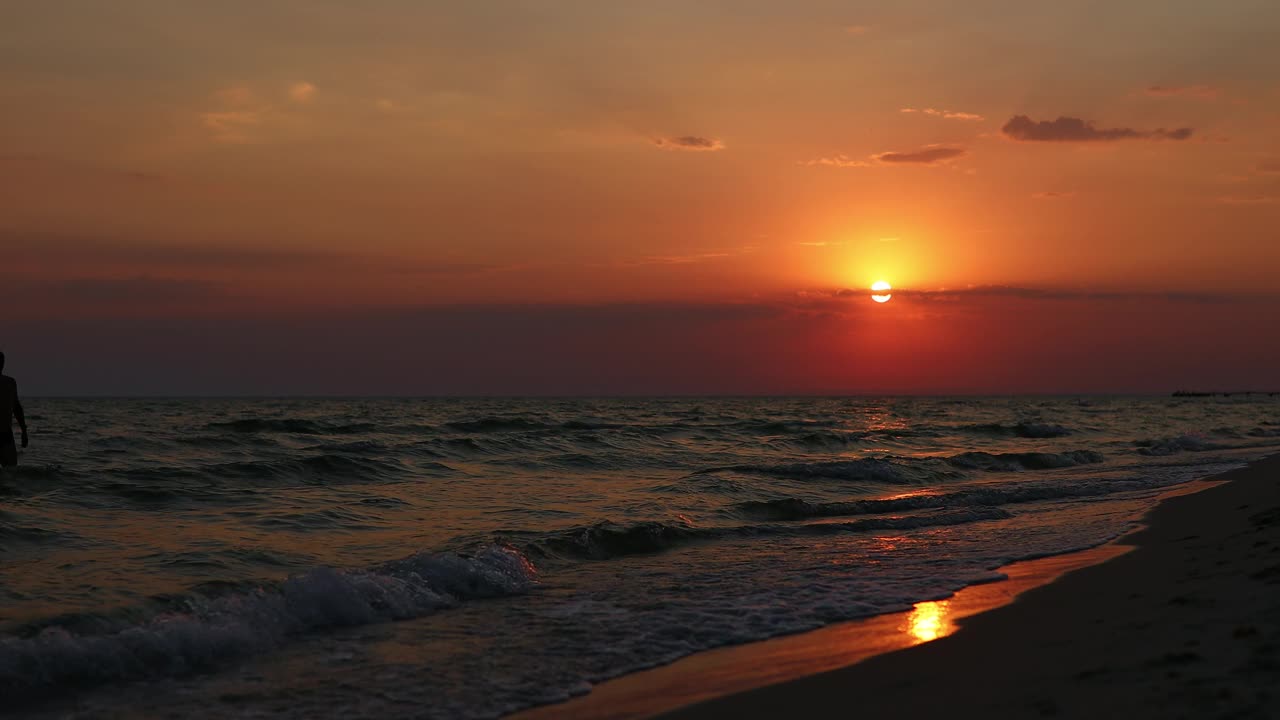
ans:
(930, 621)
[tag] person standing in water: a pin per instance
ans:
(10, 408)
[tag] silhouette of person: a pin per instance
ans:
(10, 407)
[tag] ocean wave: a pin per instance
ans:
(199, 633)
(326, 468)
(782, 427)
(591, 425)
(355, 447)
(896, 470)
(496, 425)
(15, 529)
(1020, 430)
(1174, 445)
(886, 470)
(1014, 462)
(607, 540)
(296, 426)
(791, 508)
(24, 478)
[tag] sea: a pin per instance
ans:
(467, 558)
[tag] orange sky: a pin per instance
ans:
(234, 159)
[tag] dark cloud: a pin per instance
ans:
(136, 289)
(53, 252)
(693, 143)
(1269, 166)
(1035, 293)
(1197, 92)
(73, 249)
(1069, 129)
(657, 348)
(101, 292)
(924, 156)
(1249, 199)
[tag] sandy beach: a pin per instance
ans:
(1185, 625)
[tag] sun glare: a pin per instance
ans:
(881, 290)
(929, 621)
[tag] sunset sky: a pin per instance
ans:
(546, 197)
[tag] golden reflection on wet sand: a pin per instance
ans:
(723, 671)
(929, 621)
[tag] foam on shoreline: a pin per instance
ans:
(737, 675)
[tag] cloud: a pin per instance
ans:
(99, 292)
(947, 114)
(1039, 293)
(1249, 199)
(1196, 92)
(243, 116)
(841, 161)
(302, 92)
(690, 258)
(237, 95)
(929, 155)
(49, 254)
(1052, 194)
(1069, 129)
(691, 143)
(231, 126)
(140, 288)
(857, 29)
(925, 156)
(1269, 166)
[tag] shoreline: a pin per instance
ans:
(719, 673)
(1186, 623)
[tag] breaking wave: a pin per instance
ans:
(1175, 445)
(791, 508)
(900, 471)
(199, 632)
(297, 426)
(1021, 430)
(607, 540)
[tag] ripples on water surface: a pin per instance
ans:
(530, 547)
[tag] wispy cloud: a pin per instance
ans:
(231, 126)
(840, 161)
(1195, 92)
(1269, 166)
(235, 95)
(857, 29)
(1070, 129)
(302, 92)
(245, 116)
(1016, 292)
(691, 143)
(49, 254)
(105, 291)
(947, 114)
(690, 258)
(1053, 194)
(929, 155)
(1249, 199)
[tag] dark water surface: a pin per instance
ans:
(536, 546)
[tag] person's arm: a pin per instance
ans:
(17, 413)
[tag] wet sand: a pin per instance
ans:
(1187, 624)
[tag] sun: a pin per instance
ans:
(881, 288)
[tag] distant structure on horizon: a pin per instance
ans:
(1190, 393)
